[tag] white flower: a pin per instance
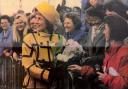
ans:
(72, 48)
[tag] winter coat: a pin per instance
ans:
(95, 50)
(116, 67)
(94, 55)
(77, 35)
(6, 42)
(38, 51)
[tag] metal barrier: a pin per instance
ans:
(11, 73)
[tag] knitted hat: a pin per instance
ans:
(48, 11)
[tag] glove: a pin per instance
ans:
(87, 71)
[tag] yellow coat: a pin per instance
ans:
(31, 50)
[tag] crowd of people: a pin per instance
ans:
(65, 49)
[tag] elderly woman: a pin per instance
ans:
(72, 25)
(41, 47)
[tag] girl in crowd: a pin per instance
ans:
(20, 29)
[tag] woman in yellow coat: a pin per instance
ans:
(40, 47)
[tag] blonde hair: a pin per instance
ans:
(16, 35)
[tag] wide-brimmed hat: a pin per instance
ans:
(48, 11)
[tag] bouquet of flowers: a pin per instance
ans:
(71, 53)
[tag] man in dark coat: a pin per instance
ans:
(94, 48)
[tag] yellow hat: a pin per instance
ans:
(48, 11)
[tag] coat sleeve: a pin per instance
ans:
(121, 81)
(28, 61)
(87, 70)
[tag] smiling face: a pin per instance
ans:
(20, 25)
(68, 25)
(38, 23)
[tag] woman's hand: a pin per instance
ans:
(101, 75)
(74, 68)
(15, 56)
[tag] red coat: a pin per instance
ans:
(116, 58)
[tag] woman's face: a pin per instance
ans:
(20, 25)
(38, 23)
(68, 25)
(106, 32)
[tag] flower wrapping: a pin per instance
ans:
(71, 54)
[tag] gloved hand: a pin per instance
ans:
(87, 71)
